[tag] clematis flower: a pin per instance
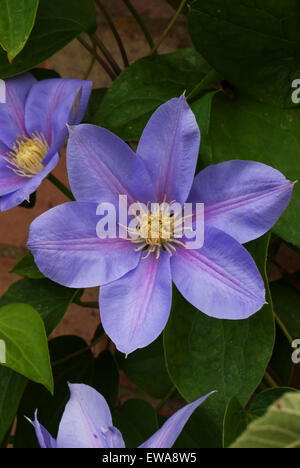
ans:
(243, 200)
(33, 130)
(87, 423)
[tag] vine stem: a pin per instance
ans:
(270, 380)
(91, 64)
(162, 403)
(283, 328)
(140, 23)
(114, 31)
(58, 184)
(96, 40)
(206, 83)
(79, 352)
(99, 59)
(169, 27)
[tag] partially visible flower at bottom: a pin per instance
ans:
(87, 423)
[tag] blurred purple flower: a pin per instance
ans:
(87, 423)
(33, 130)
(243, 200)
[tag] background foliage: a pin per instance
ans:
(237, 78)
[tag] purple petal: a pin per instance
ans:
(45, 439)
(9, 181)
(169, 147)
(12, 123)
(220, 279)
(135, 308)
(242, 198)
(53, 103)
(101, 167)
(27, 187)
(86, 422)
(170, 431)
(3, 148)
(67, 250)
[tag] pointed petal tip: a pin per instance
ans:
(30, 420)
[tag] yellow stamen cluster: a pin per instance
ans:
(27, 155)
(157, 230)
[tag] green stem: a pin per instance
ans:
(58, 184)
(283, 328)
(78, 353)
(140, 23)
(96, 40)
(114, 31)
(169, 27)
(162, 403)
(91, 64)
(270, 380)
(206, 83)
(99, 59)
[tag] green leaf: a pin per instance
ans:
(57, 23)
(44, 74)
(255, 45)
(50, 299)
(278, 428)
(202, 110)
(244, 129)
(199, 432)
(235, 422)
(281, 363)
(145, 85)
(205, 354)
(146, 368)
(94, 104)
(23, 331)
(263, 400)
(16, 22)
(106, 380)
(137, 421)
(12, 386)
(286, 301)
(79, 369)
(27, 267)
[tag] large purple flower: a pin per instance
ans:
(87, 423)
(33, 130)
(243, 200)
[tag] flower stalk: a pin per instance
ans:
(114, 31)
(140, 23)
(168, 28)
(58, 184)
(99, 59)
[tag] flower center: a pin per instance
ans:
(27, 155)
(157, 230)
